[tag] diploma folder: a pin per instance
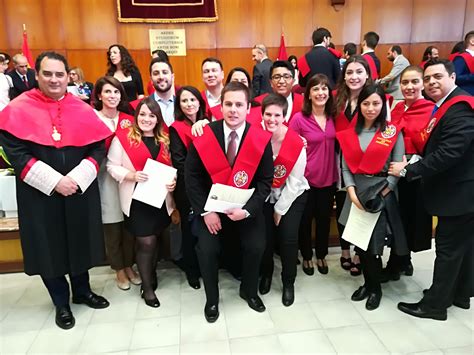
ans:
(223, 198)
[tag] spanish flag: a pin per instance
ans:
(282, 55)
(25, 49)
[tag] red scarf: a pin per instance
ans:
(290, 150)
(246, 163)
(33, 116)
(420, 140)
(374, 158)
(139, 153)
(184, 132)
(413, 120)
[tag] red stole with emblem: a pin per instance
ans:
(246, 163)
(184, 132)
(414, 119)
(124, 122)
(139, 153)
(373, 68)
(374, 158)
(285, 161)
(421, 139)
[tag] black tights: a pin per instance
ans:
(146, 258)
(372, 269)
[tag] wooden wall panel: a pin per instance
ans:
(391, 19)
(469, 17)
(4, 38)
(296, 24)
(438, 21)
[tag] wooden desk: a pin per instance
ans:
(11, 257)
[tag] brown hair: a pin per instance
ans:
(318, 79)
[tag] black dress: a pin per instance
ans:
(144, 219)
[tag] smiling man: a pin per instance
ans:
(231, 152)
(55, 143)
(162, 76)
(213, 77)
(447, 172)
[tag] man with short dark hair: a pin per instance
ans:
(392, 79)
(447, 170)
(261, 70)
(23, 78)
(281, 81)
(319, 60)
(235, 153)
(55, 143)
(213, 78)
(464, 65)
(368, 45)
(162, 76)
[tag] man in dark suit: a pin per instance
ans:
(447, 170)
(261, 71)
(23, 78)
(234, 153)
(319, 60)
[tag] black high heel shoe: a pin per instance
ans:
(152, 302)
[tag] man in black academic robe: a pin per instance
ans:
(55, 143)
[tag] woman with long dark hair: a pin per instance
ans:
(367, 151)
(121, 66)
(126, 159)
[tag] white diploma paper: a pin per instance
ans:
(153, 191)
(359, 227)
(223, 198)
(73, 90)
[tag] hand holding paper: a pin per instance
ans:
(223, 198)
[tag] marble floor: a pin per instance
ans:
(323, 319)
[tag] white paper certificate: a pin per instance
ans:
(153, 191)
(223, 198)
(359, 227)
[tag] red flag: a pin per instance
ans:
(282, 55)
(25, 49)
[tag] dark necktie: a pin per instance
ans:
(232, 148)
(25, 81)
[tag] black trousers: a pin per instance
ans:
(58, 287)
(251, 232)
(286, 237)
(372, 270)
(319, 205)
(453, 275)
(191, 264)
(340, 199)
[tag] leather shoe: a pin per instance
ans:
(211, 312)
(194, 282)
(64, 317)
(92, 300)
(360, 294)
(288, 296)
(265, 285)
(420, 311)
(373, 301)
(408, 270)
(255, 303)
(462, 303)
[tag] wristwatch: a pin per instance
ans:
(403, 172)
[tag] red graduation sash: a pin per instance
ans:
(373, 68)
(342, 121)
(124, 122)
(214, 111)
(335, 52)
(246, 163)
(285, 161)
(255, 115)
(422, 64)
(469, 59)
(421, 139)
(376, 154)
(184, 132)
(139, 153)
(414, 119)
(298, 100)
(303, 66)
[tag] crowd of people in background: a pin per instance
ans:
(316, 135)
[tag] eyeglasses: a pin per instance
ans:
(278, 77)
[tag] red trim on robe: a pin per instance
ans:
(414, 120)
(374, 158)
(246, 163)
(27, 168)
(139, 153)
(469, 59)
(290, 150)
(373, 68)
(422, 138)
(32, 115)
(184, 132)
(93, 161)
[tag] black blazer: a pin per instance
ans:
(261, 78)
(447, 169)
(198, 182)
(19, 86)
(321, 61)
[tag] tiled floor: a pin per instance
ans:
(323, 319)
